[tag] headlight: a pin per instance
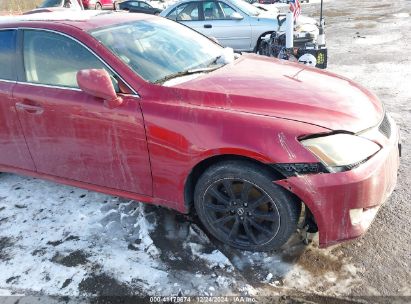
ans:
(341, 150)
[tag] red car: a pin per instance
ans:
(139, 106)
(99, 4)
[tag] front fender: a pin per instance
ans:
(180, 135)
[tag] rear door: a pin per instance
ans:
(13, 148)
(71, 134)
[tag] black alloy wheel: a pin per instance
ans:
(242, 212)
(239, 205)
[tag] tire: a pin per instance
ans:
(239, 205)
(98, 6)
(264, 48)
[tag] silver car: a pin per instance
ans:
(234, 23)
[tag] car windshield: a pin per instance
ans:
(246, 7)
(159, 48)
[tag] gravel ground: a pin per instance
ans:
(62, 241)
(370, 42)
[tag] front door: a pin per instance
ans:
(71, 134)
(13, 148)
(229, 32)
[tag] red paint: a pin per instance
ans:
(331, 196)
(91, 4)
(13, 148)
(97, 82)
(77, 137)
(145, 148)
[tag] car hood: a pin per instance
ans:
(278, 88)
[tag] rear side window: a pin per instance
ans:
(7, 53)
(144, 5)
(185, 12)
(54, 59)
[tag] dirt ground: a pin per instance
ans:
(370, 42)
(69, 243)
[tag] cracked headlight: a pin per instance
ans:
(341, 152)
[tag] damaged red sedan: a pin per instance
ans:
(142, 107)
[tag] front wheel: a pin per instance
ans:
(263, 48)
(239, 205)
(98, 6)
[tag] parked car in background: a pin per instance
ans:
(154, 112)
(288, 1)
(267, 1)
(89, 4)
(100, 4)
(234, 23)
(138, 7)
(56, 5)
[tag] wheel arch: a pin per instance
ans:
(203, 165)
(257, 45)
(200, 167)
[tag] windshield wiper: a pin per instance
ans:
(214, 61)
(186, 72)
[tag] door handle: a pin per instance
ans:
(208, 26)
(29, 108)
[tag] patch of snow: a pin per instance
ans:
(214, 259)
(378, 39)
(114, 235)
(5, 292)
(402, 15)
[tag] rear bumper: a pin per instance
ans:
(344, 204)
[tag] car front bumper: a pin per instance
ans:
(344, 204)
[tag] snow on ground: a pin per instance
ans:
(59, 240)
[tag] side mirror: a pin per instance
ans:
(236, 16)
(98, 83)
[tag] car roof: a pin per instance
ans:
(172, 6)
(84, 20)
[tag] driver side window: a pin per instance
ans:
(53, 59)
(212, 11)
(227, 10)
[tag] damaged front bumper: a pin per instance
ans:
(344, 204)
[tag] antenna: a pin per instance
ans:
(321, 36)
(321, 13)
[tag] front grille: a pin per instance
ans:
(385, 126)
